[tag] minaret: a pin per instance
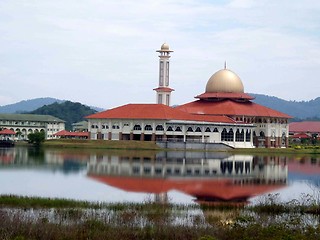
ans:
(163, 90)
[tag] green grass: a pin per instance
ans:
(101, 144)
(146, 145)
(40, 218)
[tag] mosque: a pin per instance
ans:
(223, 116)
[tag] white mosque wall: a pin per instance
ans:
(192, 134)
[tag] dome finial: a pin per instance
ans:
(225, 64)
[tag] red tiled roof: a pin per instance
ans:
(65, 133)
(155, 111)
(224, 95)
(7, 132)
(61, 133)
(301, 135)
(214, 188)
(307, 126)
(230, 108)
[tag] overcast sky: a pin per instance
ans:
(103, 53)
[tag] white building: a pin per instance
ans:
(223, 114)
(23, 124)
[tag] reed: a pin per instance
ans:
(23, 218)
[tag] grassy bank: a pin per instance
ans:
(36, 218)
(144, 145)
(101, 144)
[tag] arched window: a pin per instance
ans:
(248, 135)
(230, 135)
(262, 134)
(207, 129)
(239, 135)
(189, 129)
(148, 128)
(198, 129)
(224, 135)
(215, 130)
(169, 129)
(178, 129)
(159, 128)
(115, 126)
(137, 127)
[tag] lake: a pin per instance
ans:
(170, 176)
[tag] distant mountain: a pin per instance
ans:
(33, 104)
(70, 112)
(298, 110)
(28, 105)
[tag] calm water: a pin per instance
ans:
(138, 176)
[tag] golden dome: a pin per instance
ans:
(224, 81)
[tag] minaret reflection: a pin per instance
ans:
(208, 177)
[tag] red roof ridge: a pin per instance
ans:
(229, 107)
(155, 111)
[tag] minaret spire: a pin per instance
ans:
(163, 90)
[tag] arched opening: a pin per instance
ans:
(198, 129)
(189, 129)
(178, 129)
(230, 135)
(137, 127)
(169, 129)
(248, 135)
(148, 128)
(239, 135)
(224, 135)
(159, 128)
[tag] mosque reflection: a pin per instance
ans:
(211, 178)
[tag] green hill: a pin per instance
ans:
(71, 112)
(298, 110)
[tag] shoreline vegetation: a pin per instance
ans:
(144, 145)
(29, 218)
(23, 218)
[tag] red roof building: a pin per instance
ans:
(7, 132)
(310, 127)
(72, 135)
(304, 130)
(223, 114)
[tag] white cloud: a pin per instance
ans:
(79, 50)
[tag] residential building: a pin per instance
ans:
(23, 124)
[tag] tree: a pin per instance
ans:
(70, 112)
(36, 138)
